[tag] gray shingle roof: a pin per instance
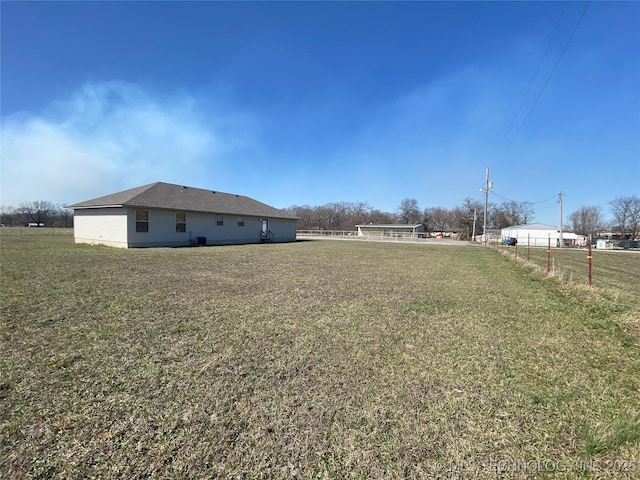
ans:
(177, 197)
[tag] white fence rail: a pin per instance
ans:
(353, 235)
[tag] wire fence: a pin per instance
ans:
(27, 234)
(617, 270)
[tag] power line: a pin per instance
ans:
(535, 75)
(530, 203)
(548, 78)
(547, 207)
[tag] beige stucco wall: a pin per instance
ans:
(117, 227)
(101, 226)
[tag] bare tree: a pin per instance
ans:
(634, 222)
(306, 216)
(463, 216)
(7, 214)
(346, 215)
(626, 215)
(332, 216)
(437, 219)
(408, 211)
(377, 216)
(338, 216)
(511, 213)
(360, 213)
(38, 211)
(63, 217)
(586, 220)
(527, 214)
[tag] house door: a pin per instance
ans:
(264, 232)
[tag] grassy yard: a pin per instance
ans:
(316, 359)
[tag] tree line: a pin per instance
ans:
(39, 212)
(346, 215)
(587, 220)
(461, 219)
(625, 212)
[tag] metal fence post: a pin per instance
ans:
(590, 258)
(549, 254)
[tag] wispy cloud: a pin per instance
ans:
(108, 136)
(431, 142)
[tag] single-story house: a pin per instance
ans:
(538, 235)
(390, 230)
(166, 215)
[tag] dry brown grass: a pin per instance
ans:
(614, 272)
(307, 360)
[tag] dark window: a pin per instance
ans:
(181, 222)
(142, 221)
(241, 221)
(219, 220)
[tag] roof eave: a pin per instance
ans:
(191, 210)
(86, 207)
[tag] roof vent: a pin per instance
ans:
(213, 191)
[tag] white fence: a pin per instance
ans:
(353, 235)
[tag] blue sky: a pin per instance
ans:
(296, 103)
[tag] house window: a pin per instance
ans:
(219, 220)
(181, 222)
(142, 221)
(241, 221)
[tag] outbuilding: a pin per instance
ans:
(539, 234)
(167, 215)
(394, 230)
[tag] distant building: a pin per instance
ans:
(167, 215)
(390, 230)
(539, 234)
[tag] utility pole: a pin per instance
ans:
(475, 216)
(487, 186)
(560, 195)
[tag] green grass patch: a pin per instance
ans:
(609, 436)
(315, 359)
(614, 272)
